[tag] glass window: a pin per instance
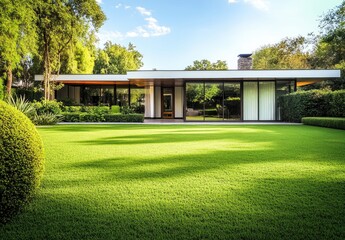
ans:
(122, 96)
(138, 99)
(195, 101)
(232, 101)
(214, 109)
(107, 95)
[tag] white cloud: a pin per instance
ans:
(151, 29)
(259, 4)
(143, 11)
(99, 1)
(232, 1)
(105, 36)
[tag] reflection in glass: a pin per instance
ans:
(232, 101)
(282, 88)
(168, 103)
(138, 99)
(195, 101)
(122, 96)
(214, 102)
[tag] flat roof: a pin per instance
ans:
(299, 75)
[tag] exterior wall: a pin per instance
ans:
(250, 101)
(149, 102)
(158, 103)
(267, 101)
(179, 102)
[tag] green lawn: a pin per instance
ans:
(188, 182)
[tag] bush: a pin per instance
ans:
(91, 117)
(21, 104)
(48, 106)
(72, 109)
(47, 119)
(115, 109)
(71, 117)
(124, 117)
(21, 161)
(313, 103)
(338, 123)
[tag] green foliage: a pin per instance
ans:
(127, 110)
(289, 53)
(116, 59)
(91, 117)
(115, 109)
(21, 104)
(21, 161)
(47, 118)
(132, 117)
(2, 89)
(313, 103)
(205, 64)
(48, 106)
(338, 123)
(71, 116)
(71, 109)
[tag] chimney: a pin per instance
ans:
(245, 62)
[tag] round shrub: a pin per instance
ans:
(21, 161)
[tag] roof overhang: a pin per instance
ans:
(302, 76)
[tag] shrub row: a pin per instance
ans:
(313, 103)
(93, 117)
(329, 122)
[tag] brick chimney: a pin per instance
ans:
(245, 62)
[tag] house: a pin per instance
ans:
(232, 95)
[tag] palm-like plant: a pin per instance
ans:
(23, 105)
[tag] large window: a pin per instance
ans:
(195, 101)
(122, 96)
(137, 99)
(213, 101)
(232, 101)
(282, 88)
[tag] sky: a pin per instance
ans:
(171, 34)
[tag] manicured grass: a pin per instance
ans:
(188, 182)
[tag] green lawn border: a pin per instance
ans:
(329, 122)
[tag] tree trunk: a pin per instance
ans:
(47, 71)
(9, 80)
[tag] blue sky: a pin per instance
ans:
(171, 34)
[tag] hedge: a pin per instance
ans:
(93, 117)
(21, 161)
(329, 122)
(313, 103)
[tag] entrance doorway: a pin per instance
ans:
(167, 102)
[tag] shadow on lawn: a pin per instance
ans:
(284, 209)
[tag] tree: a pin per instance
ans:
(289, 53)
(329, 50)
(205, 64)
(61, 24)
(17, 34)
(116, 59)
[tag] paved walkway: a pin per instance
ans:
(181, 122)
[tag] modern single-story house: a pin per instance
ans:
(233, 95)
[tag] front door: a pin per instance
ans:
(167, 102)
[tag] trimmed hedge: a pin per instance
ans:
(328, 122)
(313, 103)
(21, 161)
(124, 117)
(93, 117)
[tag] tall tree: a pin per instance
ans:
(289, 53)
(61, 24)
(329, 49)
(205, 64)
(17, 34)
(116, 59)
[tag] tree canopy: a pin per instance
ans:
(116, 59)
(205, 64)
(289, 53)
